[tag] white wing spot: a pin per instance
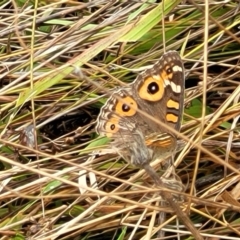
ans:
(166, 82)
(179, 89)
(175, 88)
(177, 68)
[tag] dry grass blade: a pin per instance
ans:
(47, 137)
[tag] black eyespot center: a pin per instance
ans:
(112, 127)
(125, 107)
(169, 70)
(153, 88)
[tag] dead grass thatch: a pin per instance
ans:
(59, 62)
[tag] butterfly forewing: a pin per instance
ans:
(158, 92)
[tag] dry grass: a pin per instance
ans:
(42, 50)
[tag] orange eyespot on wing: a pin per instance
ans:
(168, 74)
(126, 107)
(112, 126)
(152, 88)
